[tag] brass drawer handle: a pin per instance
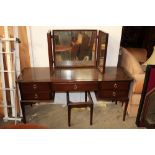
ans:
(115, 85)
(114, 94)
(36, 96)
(75, 86)
(34, 86)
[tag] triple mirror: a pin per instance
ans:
(77, 48)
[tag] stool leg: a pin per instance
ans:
(91, 114)
(69, 115)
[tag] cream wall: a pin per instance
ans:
(39, 49)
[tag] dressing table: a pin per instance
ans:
(78, 72)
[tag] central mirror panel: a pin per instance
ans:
(74, 48)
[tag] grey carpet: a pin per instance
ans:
(54, 116)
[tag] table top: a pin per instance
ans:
(45, 74)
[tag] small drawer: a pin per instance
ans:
(112, 94)
(114, 85)
(77, 86)
(36, 96)
(30, 87)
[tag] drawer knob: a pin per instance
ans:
(75, 86)
(115, 85)
(114, 94)
(36, 96)
(34, 86)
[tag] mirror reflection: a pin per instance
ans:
(75, 47)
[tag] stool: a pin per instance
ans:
(85, 104)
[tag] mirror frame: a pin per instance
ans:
(50, 49)
(147, 88)
(99, 51)
(51, 53)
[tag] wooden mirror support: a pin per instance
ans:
(102, 50)
(50, 49)
(77, 48)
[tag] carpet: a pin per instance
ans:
(54, 116)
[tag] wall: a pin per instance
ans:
(39, 51)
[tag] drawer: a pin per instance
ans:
(77, 86)
(31, 87)
(113, 85)
(36, 96)
(112, 94)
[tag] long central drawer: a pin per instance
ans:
(75, 86)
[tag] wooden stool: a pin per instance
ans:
(88, 103)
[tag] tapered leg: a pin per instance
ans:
(85, 96)
(67, 96)
(69, 115)
(23, 112)
(122, 104)
(91, 114)
(125, 109)
(53, 95)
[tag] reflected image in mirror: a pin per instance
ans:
(75, 47)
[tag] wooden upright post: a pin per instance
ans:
(23, 50)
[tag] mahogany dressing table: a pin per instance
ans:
(76, 75)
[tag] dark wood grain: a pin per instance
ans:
(44, 74)
(50, 51)
(115, 85)
(38, 84)
(76, 86)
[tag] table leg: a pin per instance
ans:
(67, 96)
(69, 115)
(122, 104)
(85, 96)
(125, 109)
(23, 112)
(91, 114)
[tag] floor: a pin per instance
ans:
(54, 116)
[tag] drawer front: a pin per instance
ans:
(32, 87)
(114, 85)
(113, 94)
(36, 96)
(75, 86)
